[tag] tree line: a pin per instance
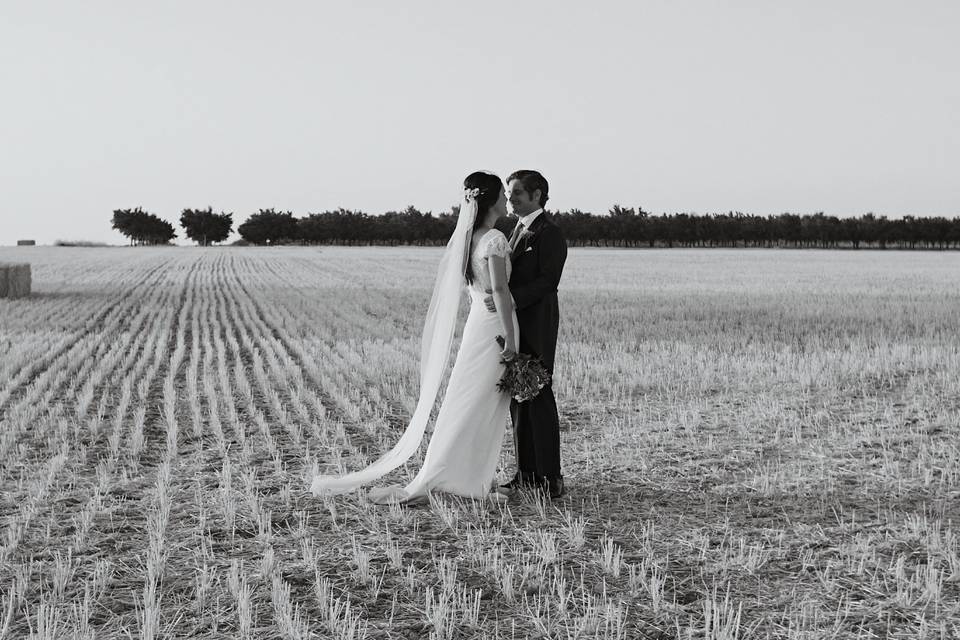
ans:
(203, 226)
(620, 227)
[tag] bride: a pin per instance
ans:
(465, 445)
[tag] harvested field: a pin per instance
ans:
(756, 444)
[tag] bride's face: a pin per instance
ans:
(500, 207)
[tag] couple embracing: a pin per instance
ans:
(512, 284)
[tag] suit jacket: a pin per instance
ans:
(537, 266)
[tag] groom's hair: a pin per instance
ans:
(531, 181)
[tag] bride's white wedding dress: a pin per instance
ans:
(462, 456)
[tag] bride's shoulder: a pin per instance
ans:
(496, 242)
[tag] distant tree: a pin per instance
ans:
(869, 229)
(124, 221)
(269, 227)
(447, 222)
(578, 227)
(204, 227)
(340, 227)
(409, 226)
(620, 225)
(142, 227)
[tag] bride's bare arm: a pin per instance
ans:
(503, 299)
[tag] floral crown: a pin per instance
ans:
(471, 194)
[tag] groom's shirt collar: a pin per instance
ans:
(528, 219)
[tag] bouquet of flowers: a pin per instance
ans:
(524, 377)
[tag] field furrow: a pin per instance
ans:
(372, 413)
(756, 444)
(69, 349)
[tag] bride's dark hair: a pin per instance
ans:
(490, 187)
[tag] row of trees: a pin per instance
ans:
(629, 227)
(203, 226)
(346, 227)
(621, 226)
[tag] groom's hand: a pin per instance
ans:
(489, 302)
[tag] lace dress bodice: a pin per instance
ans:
(492, 243)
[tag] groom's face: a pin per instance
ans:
(521, 202)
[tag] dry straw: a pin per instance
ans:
(14, 280)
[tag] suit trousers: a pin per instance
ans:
(536, 431)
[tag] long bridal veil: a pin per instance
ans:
(438, 329)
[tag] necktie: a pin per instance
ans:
(516, 234)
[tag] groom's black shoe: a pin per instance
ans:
(551, 486)
(554, 484)
(520, 479)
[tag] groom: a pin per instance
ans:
(538, 251)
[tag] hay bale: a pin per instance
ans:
(14, 280)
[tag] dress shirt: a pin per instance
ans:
(528, 219)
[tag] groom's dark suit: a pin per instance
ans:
(537, 264)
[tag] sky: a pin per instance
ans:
(755, 106)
